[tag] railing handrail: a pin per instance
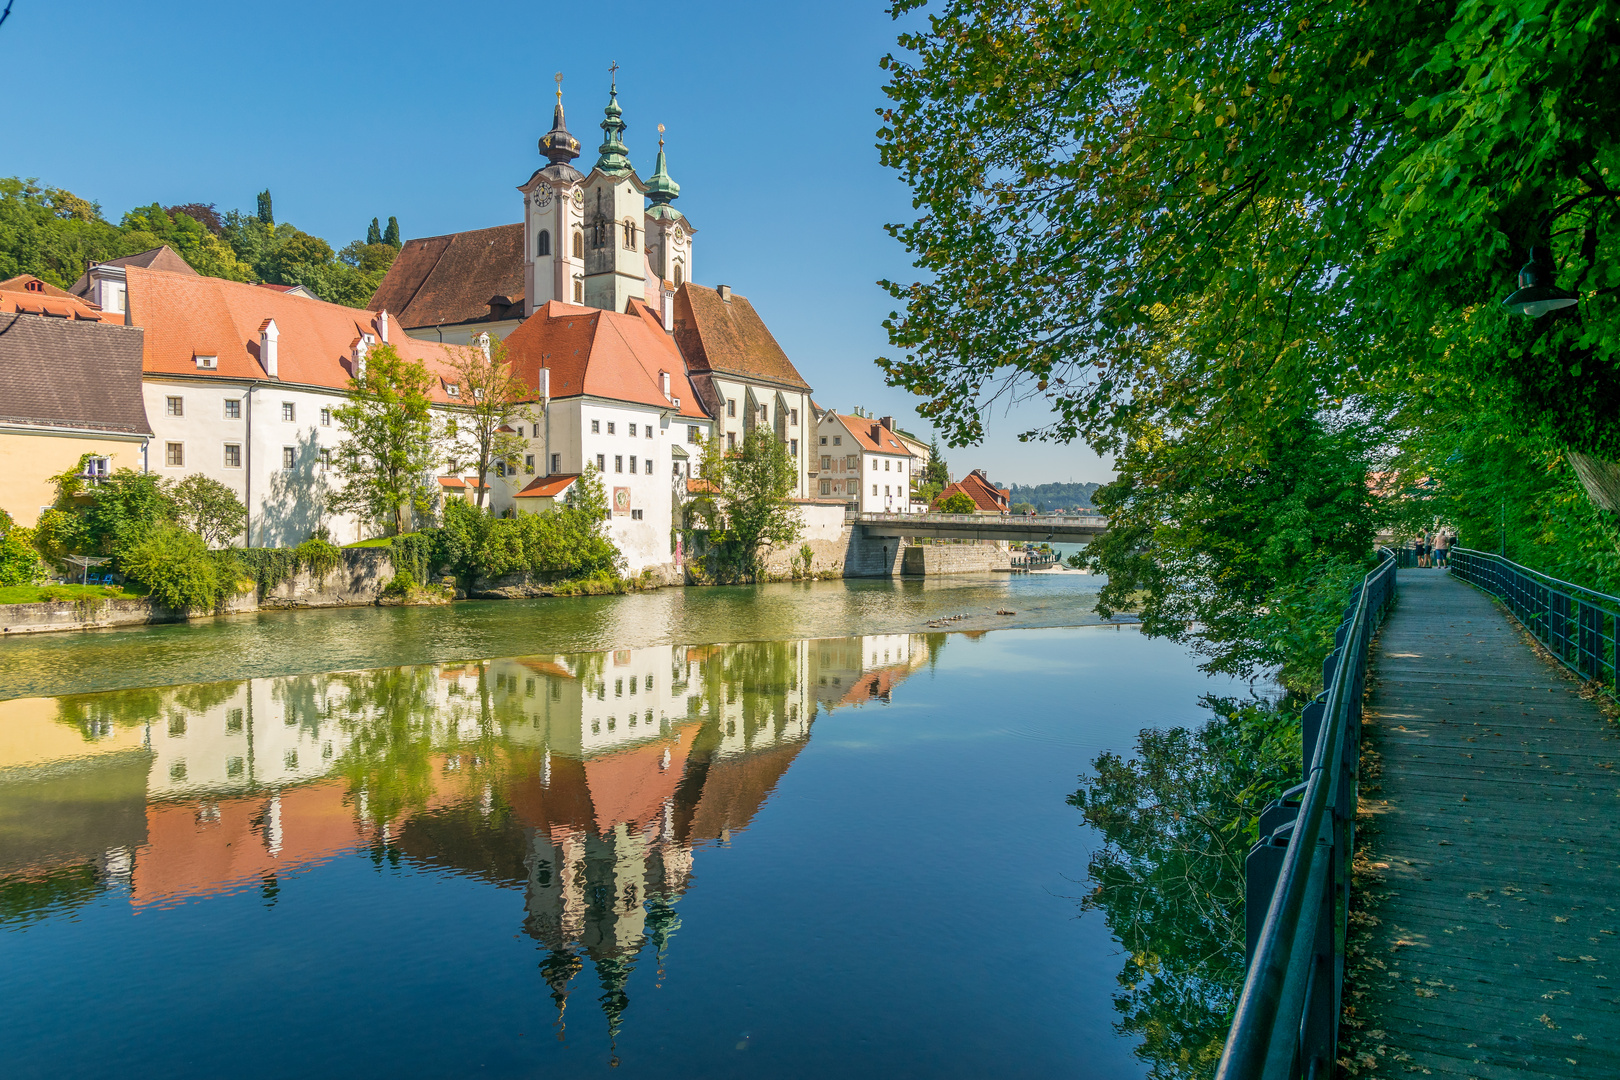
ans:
(1547, 579)
(1265, 1040)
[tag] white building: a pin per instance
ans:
(863, 461)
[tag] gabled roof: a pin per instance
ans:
(603, 354)
(56, 304)
(30, 283)
(185, 316)
(728, 337)
(449, 280)
(985, 495)
(871, 436)
(158, 258)
(72, 374)
(548, 487)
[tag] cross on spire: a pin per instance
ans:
(613, 69)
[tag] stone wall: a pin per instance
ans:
(930, 559)
(358, 581)
(824, 531)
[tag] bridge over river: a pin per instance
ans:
(1483, 924)
(1072, 529)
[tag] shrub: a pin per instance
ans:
(958, 503)
(401, 584)
(176, 567)
(19, 564)
(59, 534)
(319, 556)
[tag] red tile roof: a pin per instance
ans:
(873, 436)
(548, 487)
(603, 354)
(447, 280)
(158, 258)
(728, 337)
(185, 316)
(30, 283)
(985, 495)
(57, 304)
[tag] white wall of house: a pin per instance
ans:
(874, 482)
(463, 333)
(790, 406)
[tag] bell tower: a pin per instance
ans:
(553, 263)
(669, 238)
(614, 218)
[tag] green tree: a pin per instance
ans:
(956, 503)
(265, 214)
(492, 397)
(936, 471)
(210, 509)
(1022, 508)
(176, 568)
(19, 562)
(747, 503)
(373, 232)
(390, 450)
(123, 509)
(391, 234)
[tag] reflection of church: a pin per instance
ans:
(587, 781)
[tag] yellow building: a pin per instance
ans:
(70, 385)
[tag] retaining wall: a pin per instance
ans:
(930, 559)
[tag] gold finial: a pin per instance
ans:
(559, 87)
(660, 136)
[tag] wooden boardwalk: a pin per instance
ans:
(1490, 856)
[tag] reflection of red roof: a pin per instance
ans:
(630, 786)
(185, 858)
(736, 787)
(606, 354)
(547, 487)
(875, 684)
(547, 667)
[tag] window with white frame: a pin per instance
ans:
(600, 467)
(611, 427)
(289, 457)
(596, 427)
(647, 466)
(326, 418)
(632, 464)
(326, 458)
(289, 412)
(174, 406)
(233, 455)
(793, 417)
(618, 463)
(174, 454)
(233, 408)
(632, 430)
(731, 406)
(556, 463)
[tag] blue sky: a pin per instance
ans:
(431, 112)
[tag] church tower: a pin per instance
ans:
(553, 208)
(669, 238)
(614, 226)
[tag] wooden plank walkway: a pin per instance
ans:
(1490, 853)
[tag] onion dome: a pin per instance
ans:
(558, 144)
(660, 188)
(615, 156)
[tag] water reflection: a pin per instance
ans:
(588, 781)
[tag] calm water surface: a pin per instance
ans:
(283, 642)
(776, 858)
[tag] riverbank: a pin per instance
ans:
(305, 640)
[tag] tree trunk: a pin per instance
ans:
(1600, 478)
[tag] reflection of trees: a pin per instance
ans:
(88, 712)
(1176, 822)
(387, 717)
(30, 898)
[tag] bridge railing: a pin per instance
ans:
(976, 519)
(1577, 625)
(1298, 887)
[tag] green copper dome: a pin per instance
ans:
(660, 188)
(615, 156)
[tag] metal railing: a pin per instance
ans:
(1577, 625)
(1298, 874)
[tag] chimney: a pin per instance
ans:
(725, 292)
(382, 325)
(357, 356)
(663, 383)
(482, 343)
(887, 421)
(268, 335)
(545, 384)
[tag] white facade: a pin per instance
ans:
(847, 467)
(745, 404)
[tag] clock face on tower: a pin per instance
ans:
(680, 236)
(542, 198)
(579, 197)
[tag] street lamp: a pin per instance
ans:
(1536, 294)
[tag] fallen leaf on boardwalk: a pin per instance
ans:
(1560, 918)
(1590, 959)
(1545, 1019)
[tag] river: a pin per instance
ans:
(785, 831)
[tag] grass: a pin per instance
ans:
(36, 594)
(374, 542)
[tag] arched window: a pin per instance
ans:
(630, 235)
(680, 273)
(543, 245)
(579, 244)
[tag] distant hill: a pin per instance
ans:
(1046, 497)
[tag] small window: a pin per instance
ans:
(207, 363)
(233, 408)
(520, 431)
(528, 464)
(612, 427)
(174, 454)
(826, 487)
(647, 466)
(288, 411)
(635, 515)
(174, 406)
(731, 440)
(556, 463)
(824, 440)
(632, 464)
(854, 462)
(793, 417)
(874, 489)
(289, 457)
(618, 463)
(543, 245)
(326, 418)
(731, 407)
(579, 253)
(764, 413)
(632, 431)
(600, 467)
(629, 235)
(500, 468)
(793, 447)
(579, 292)
(693, 438)
(233, 455)
(680, 273)
(326, 458)
(596, 427)
(826, 462)
(885, 464)
(648, 429)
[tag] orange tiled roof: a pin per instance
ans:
(158, 258)
(188, 315)
(547, 487)
(873, 436)
(601, 353)
(728, 337)
(30, 283)
(985, 495)
(58, 305)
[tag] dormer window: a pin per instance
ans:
(207, 363)
(453, 389)
(35, 286)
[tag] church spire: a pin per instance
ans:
(660, 188)
(557, 144)
(615, 157)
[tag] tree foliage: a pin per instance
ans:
(956, 502)
(570, 542)
(208, 508)
(391, 448)
(746, 501)
(492, 398)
